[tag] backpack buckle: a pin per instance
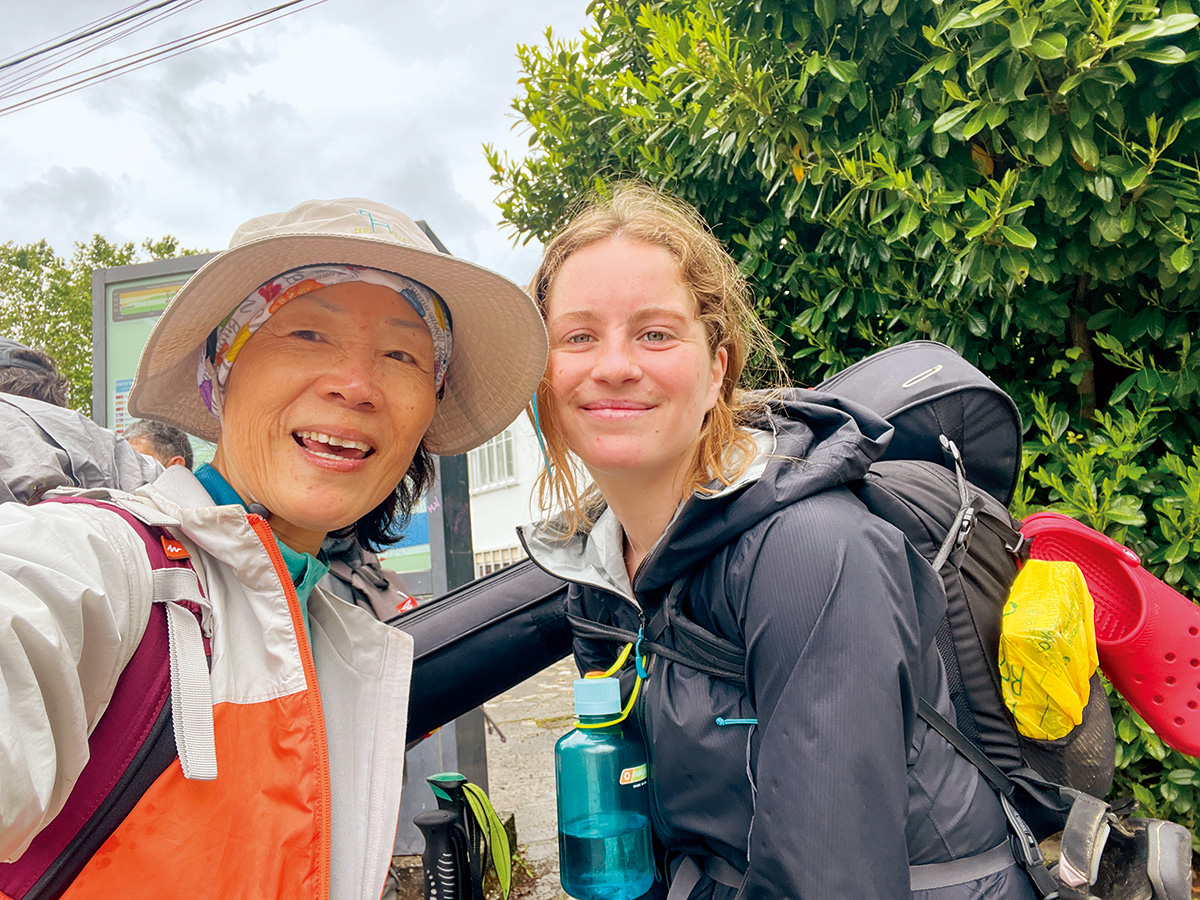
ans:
(966, 524)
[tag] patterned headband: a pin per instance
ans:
(228, 338)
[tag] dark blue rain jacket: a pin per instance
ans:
(839, 787)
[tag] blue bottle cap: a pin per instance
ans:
(597, 696)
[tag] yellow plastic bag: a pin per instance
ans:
(1047, 648)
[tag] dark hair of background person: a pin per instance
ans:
(165, 441)
(30, 373)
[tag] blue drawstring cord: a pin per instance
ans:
(721, 720)
(637, 656)
(537, 430)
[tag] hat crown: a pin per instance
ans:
(499, 337)
(348, 217)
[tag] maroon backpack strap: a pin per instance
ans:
(130, 747)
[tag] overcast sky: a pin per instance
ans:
(385, 99)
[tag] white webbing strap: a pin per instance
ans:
(191, 686)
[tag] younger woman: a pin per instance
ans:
(815, 779)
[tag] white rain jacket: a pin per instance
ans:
(75, 596)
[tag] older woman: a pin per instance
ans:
(327, 352)
(814, 779)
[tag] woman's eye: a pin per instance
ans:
(578, 339)
(305, 335)
(656, 336)
(402, 356)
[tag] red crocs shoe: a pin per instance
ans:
(1147, 633)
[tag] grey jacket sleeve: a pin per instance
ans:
(44, 447)
(832, 640)
(75, 594)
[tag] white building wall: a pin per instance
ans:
(497, 511)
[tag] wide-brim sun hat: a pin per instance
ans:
(500, 345)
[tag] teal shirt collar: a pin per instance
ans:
(304, 568)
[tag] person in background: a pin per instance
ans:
(327, 353)
(30, 373)
(815, 778)
(46, 445)
(166, 443)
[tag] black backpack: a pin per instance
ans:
(945, 482)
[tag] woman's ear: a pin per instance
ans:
(720, 365)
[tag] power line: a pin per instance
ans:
(86, 34)
(10, 83)
(141, 59)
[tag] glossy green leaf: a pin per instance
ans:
(843, 71)
(1136, 178)
(909, 223)
(1037, 123)
(1182, 258)
(1179, 23)
(1167, 56)
(975, 124)
(1049, 148)
(1126, 511)
(1103, 187)
(953, 91)
(1018, 235)
(977, 323)
(1022, 32)
(1142, 31)
(1049, 46)
(1084, 148)
(949, 119)
(826, 12)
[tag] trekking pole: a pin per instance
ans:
(445, 864)
(448, 789)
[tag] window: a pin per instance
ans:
(490, 560)
(493, 465)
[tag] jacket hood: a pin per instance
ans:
(821, 441)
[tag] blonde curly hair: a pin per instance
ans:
(635, 211)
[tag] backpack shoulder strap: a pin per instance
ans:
(136, 739)
(177, 589)
(1025, 846)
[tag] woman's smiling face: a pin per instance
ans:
(325, 408)
(630, 368)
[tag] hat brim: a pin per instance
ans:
(499, 338)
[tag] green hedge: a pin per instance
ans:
(1016, 179)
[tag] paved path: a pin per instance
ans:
(531, 717)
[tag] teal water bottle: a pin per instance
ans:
(603, 801)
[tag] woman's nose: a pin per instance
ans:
(615, 362)
(351, 379)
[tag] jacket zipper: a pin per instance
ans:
(312, 695)
(639, 712)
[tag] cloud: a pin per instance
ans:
(390, 101)
(91, 201)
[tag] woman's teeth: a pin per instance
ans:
(331, 447)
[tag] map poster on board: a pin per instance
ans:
(121, 419)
